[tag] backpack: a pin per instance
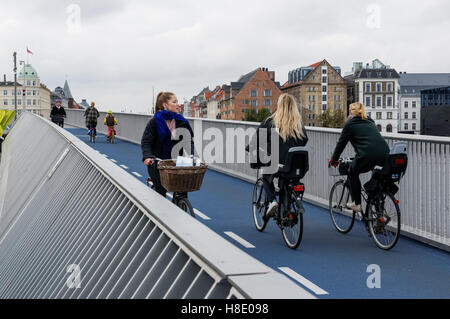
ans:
(110, 121)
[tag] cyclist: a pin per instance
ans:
(91, 114)
(370, 147)
(58, 113)
(110, 121)
(287, 122)
(159, 136)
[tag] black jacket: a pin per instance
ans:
(284, 146)
(369, 145)
(151, 144)
(55, 111)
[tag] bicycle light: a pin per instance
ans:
(298, 188)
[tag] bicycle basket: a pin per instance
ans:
(344, 167)
(181, 179)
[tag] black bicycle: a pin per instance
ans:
(289, 215)
(381, 216)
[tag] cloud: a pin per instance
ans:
(123, 48)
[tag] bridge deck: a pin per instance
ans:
(329, 264)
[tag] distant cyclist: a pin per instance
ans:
(370, 147)
(91, 114)
(110, 121)
(58, 114)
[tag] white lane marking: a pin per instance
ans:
(124, 166)
(240, 240)
(302, 280)
(113, 160)
(201, 215)
(137, 174)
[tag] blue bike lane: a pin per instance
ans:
(328, 264)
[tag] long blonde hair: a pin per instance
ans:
(287, 118)
(358, 109)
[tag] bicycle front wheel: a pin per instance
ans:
(293, 223)
(384, 221)
(343, 218)
(186, 206)
(259, 205)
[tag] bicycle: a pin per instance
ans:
(92, 134)
(289, 215)
(111, 137)
(381, 217)
(180, 199)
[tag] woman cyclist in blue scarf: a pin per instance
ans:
(159, 136)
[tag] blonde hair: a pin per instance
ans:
(287, 118)
(358, 109)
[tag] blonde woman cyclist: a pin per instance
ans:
(370, 147)
(287, 122)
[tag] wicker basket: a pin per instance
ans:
(181, 179)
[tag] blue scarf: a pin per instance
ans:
(164, 134)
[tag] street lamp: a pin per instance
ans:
(24, 86)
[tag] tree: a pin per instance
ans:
(262, 115)
(251, 116)
(332, 119)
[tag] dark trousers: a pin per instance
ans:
(92, 125)
(153, 172)
(268, 185)
(358, 166)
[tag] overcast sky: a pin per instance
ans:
(118, 49)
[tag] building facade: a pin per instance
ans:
(378, 90)
(435, 111)
(32, 95)
(317, 88)
(411, 85)
(256, 90)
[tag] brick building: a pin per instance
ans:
(317, 88)
(256, 90)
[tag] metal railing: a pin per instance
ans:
(424, 192)
(75, 225)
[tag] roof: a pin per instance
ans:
(67, 92)
(247, 77)
(30, 72)
(413, 83)
(9, 83)
(315, 65)
(377, 74)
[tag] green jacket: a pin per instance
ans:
(367, 141)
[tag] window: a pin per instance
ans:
(379, 128)
(28, 92)
(34, 102)
(406, 115)
(324, 79)
(414, 115)
(324, 98)
(414, 126)
(389, 128)
(267, 92)
(19, 102)
(378, 115)
(367, 87)
(254, 103)
(253, 93)
(389, 87)
(369, 114)
(324, 71)
(389, 115)
(34, 83)
(34, 92)
(406, 126)
(28, 82)
(324, 88)
(267, 102)
(5, 102)
(5, 92)
(379, 101)
(378, 87)
(389, 101)
(324, 107)
(28, 102)
(406, 104)
(368, 101)
(414, 103)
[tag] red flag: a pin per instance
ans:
(28, 51)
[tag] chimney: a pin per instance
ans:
(4, 78)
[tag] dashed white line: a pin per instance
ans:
(201, 215)
(124, 166)
(113, 160)
(137, 174)
(239, 239)
(302, 280)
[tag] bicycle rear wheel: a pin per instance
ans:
(343, 219)
(293, 223)
(186, 205)
(384, 222)
(259, 205)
